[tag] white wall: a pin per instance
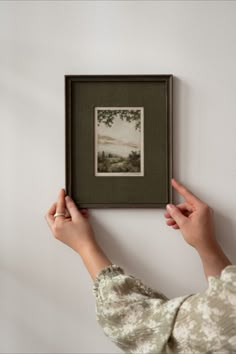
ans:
(46, 300)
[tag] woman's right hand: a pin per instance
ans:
(194, 219)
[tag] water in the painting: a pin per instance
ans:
(119, 140)
(117, 147)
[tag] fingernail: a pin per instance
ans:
(68, 198)
(169, 206)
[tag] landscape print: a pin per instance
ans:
(119, 139)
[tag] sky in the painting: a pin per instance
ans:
(121, 138)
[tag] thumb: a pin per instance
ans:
(72, 208)
(176, 214)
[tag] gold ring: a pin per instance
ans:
(59, 214)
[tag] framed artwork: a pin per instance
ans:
(119, 140)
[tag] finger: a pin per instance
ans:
(189, 197)
(50, 214)
(167, 215)
(177, 215)
(61, 208)
(185, 208)
(72, 208)
(175, 227)
(170, 222)
(84, 213)
(67, 214)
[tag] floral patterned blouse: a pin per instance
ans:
(139, 319)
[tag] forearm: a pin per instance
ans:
(94, 259)
(213, 260)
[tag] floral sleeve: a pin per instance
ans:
(206, 322)
(135, 317)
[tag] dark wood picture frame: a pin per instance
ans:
(83, 93)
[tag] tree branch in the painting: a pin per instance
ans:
(107, 116)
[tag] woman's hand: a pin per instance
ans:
(73, 229)
(195, 221)
(193, 218)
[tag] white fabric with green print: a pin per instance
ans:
(139, 319)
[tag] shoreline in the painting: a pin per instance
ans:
(121, 147)
(121, 150)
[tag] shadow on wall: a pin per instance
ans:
(182, 103)
(132, 263)
(225, 234)
(114, 249)
(120, 255)
(225, 228)
(181, 131)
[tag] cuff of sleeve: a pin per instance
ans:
(228, 275)
(107, 272)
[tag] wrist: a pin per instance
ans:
(213, 259)
(211, 250)
(86, 247)
(94, 259)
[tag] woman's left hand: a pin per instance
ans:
(72, 228)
